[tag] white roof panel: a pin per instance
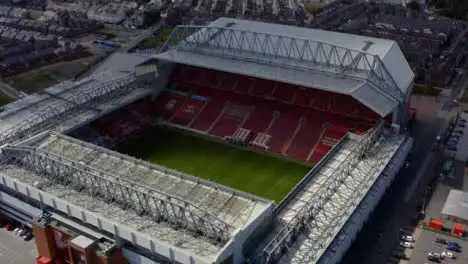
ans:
(331, 61)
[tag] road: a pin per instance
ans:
(10, 91)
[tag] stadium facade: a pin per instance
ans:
(148, 213)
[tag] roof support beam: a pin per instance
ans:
(158, 207)
(283, 50)
(46, 118)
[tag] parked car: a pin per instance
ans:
(399, 255)
(453, 248)
(406, 244)
(17, 230)
(28, 236)
(407, 238)
(461, 124)
(452, 147)
(454, 244)
(23, 232)
(448, 254)
(433, 256)
(441, 241)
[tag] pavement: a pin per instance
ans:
(13, 250)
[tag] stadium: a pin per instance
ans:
(241, 142)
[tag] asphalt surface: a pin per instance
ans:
(13, 250)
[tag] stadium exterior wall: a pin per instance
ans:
(353, 226)
(235, 247)
(399, 116)
(162, 80)
(86, 217)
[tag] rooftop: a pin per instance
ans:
(374, 71)
(68, 104)
(82, 241)
(456, 204)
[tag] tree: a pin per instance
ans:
(414, 5)
(456, 9)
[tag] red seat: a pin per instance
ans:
(344, 104)
(190, 75)
(304, 96)
(306, 138)
(259, 99)
(282, 131)
(263, 88)
(284, 92)
(230, 120)
(259, 119)
(208, 115)
(187, 112)
(244, 84)
(167, 104)
(225, 127)
(321, 100)
(320, 151)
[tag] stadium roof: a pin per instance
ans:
(68, 104)
(150, 205)
(121, 62)
(374, 71)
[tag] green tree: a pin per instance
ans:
(414, 5)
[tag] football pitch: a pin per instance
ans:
(241, 169)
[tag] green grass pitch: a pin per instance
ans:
(241, 169)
